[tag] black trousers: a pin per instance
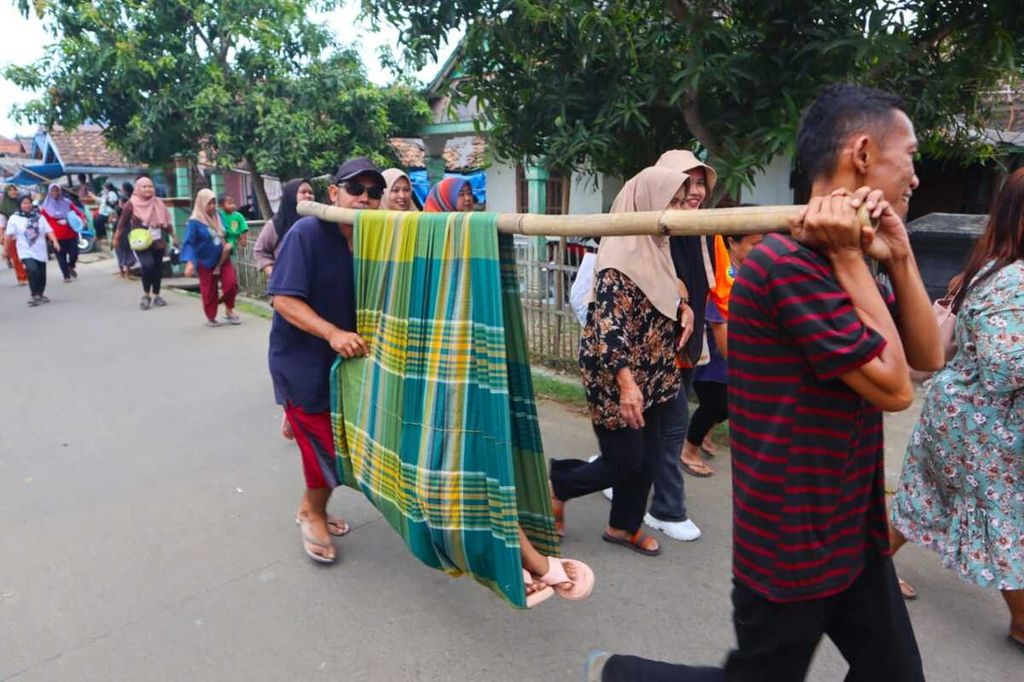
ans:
(626, 464)
(868, 623)
(36, 271)
(151, 266)
(100, 225)
(67, 257)
(713, 409)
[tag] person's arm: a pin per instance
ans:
(832, 225)
(914, 316)
(52, 236)
(188, 249)
(299, 313)
(123, 222)
(263, 249)
(720, 331)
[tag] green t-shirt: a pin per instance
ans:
(234, 226)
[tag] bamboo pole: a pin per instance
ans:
(741, 220)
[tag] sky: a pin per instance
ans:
(22, 41)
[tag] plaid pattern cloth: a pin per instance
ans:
(438, 425)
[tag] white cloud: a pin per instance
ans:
(23, 41)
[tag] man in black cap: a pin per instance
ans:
(314, 322)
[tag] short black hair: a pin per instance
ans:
(840, 111)
(224, 196)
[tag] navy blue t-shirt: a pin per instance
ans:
(313, 263)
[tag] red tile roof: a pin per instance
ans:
(10, 147)
(86, 146)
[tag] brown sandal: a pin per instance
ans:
(636, 542)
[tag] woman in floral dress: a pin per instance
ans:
(961, 493)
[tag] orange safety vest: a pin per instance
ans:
(719, 294)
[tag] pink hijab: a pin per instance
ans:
(150, 212)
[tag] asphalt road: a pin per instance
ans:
(146, 532)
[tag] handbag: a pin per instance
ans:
(946, 319)
(140, 239)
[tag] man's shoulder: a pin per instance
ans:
(308, 227)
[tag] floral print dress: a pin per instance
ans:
(625, 330)
(961, 492)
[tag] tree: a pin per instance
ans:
(607, 85)
(242, 80)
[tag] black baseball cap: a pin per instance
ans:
(358, 166)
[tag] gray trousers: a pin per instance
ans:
(669, 501)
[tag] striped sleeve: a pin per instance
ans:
(813, 308)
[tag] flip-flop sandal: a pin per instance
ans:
(538, 597)
(335, 526)
(556, 577)
(907, 590)
(688, 468)
(308, 540)
(632, 542)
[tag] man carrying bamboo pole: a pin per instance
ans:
(817, 350)
(315, 321)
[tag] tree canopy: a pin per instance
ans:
(242, 80)
(608, 85)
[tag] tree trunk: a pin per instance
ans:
(261, 191)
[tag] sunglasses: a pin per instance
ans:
(356, 189)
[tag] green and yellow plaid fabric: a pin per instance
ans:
(438, 425)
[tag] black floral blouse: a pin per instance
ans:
(624, 330)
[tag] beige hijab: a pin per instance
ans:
(685, 160)
(199, 212)
(391, 176)
(644, 259)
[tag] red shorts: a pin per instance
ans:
(316, 443)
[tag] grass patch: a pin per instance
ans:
(561, 390)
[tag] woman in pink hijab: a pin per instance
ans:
(146, 210)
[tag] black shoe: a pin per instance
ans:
(74, 273)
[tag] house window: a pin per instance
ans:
(555, 190)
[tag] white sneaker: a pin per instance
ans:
(686, 531)
(607, 492)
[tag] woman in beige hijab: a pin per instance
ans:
(627, 359)
(397, 192)
(692, 259)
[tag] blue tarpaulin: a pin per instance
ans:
(477, 181)
(37, 174)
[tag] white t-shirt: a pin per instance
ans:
(582, 286)
(17, 227)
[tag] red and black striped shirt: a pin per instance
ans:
(808, 478)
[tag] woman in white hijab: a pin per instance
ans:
(627, 359)
(397, 192)
(205, 250)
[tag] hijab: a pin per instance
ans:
(150, 212)
(391, 176)
(9, 206)
(32, 228)
(684, 160)
(645, 259)
(444, 196)
(287, 213)
(57, 208)
(199, 212)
